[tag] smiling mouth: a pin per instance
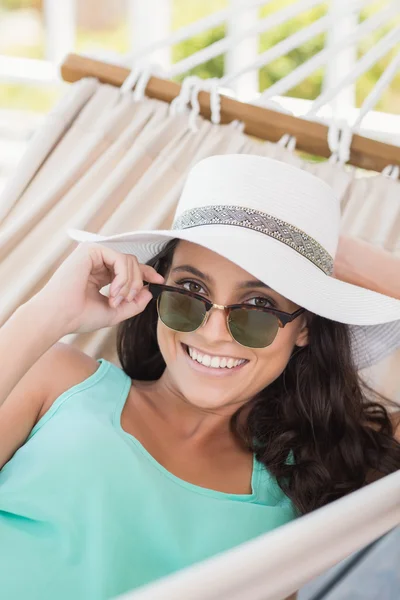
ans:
(214, 362)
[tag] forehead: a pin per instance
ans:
(207, 261)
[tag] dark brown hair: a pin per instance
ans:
(317, 428)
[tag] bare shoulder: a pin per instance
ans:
(68, 366)
(56, 371)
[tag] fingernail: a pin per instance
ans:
(118, 300)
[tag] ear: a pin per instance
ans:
(302, 335)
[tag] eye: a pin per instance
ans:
(260, 302)
(192, 286)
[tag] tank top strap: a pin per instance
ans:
(107, 389)
(114, 378)
(267, 488)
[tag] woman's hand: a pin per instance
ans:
(73, 293)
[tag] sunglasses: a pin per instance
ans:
(250, 326)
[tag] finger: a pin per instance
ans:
(136, 283)
(122, 282)
(128, 295)
(129, 276)
(149, 274)
(143, 298)
(115, 262)
(127, 310)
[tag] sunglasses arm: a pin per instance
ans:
(286, 318)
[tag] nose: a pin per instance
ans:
(215, 328)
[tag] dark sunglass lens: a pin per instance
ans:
(253, 328)
(180, 312)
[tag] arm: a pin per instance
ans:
(26, 340)
(34, 372)
(56, 371)
(368, 266)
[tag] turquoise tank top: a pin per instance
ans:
(86, 513)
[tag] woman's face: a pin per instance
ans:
(202, 271)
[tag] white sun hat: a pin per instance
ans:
(281, 225)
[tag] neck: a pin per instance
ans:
(190, 423)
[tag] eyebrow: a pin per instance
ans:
(243, 285)
(193, 271)
(253, 283)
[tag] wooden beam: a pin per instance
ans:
(260, 122)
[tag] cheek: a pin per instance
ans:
(167, 342)
(285, 342)
(272, 360)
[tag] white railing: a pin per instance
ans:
(151, 38)
(27, 70)
(151, 41)
(149, 22)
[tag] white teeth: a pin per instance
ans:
(206, 360)
(215, 362)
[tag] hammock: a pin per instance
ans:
(110, 160)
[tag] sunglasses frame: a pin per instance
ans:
(282, 317)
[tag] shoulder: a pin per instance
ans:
(68, 366)
(57, 370)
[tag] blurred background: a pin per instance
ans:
(35, 35)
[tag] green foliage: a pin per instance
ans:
(185, 12)
(113, 40)
(188, 11)
(18, 4)
(309, 88)
(390, 99)
(26, 97)
(211, 68)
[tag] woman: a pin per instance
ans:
(238, 406)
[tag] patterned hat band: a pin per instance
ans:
(262, 222)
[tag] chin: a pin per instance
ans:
(205, 396)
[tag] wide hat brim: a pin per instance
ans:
(374, 318)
